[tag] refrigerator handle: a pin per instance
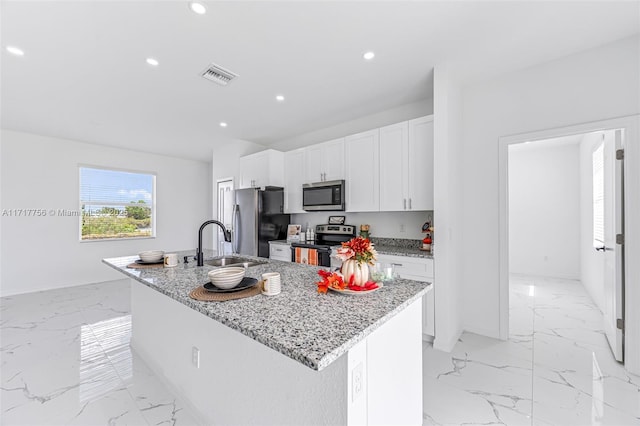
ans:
(234, 231)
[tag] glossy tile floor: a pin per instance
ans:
(555, 369)
(65, 359)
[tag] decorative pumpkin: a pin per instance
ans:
(360, 272)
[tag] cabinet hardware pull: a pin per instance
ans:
(397, 264)
(409, 203)
(404, 203)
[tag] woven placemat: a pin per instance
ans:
(202, 294)
(135, 265)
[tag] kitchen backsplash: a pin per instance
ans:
(387, 225)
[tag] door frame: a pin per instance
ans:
(631, 125)
(216, 207)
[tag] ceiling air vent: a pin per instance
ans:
(219, 75)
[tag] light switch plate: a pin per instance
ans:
(195, 357)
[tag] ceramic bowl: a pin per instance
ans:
(226, 278)
(151, 255)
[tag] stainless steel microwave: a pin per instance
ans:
(323, 196)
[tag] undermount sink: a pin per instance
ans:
(233, 261)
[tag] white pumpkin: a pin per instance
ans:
(360, 272)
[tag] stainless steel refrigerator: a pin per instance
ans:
(257, 219)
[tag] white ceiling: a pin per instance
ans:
(84, 76)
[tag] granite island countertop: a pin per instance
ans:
(311, 328)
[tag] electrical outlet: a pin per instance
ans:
(195, 357)
(402, 227)
(356, 382)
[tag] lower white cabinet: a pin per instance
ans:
(418, 269)
(280, 250)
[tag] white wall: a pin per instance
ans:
(380, 119)
(589, 86)
(42, 172)
(448, 291)
(592, 262)
(544, 204)
(383, 224)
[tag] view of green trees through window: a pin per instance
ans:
(116, 204)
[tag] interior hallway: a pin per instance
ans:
(555, 369)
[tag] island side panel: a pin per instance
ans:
(240, 381)
(394, 370)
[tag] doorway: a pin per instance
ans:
(619, 128)
(563, 260)
(224, 191)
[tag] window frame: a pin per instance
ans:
(114, 204)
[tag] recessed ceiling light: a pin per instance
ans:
(279, 98)
(223, 124)
(15, 51)
(153, 62)
(197, 8)
(369, 56)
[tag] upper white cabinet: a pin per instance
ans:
(294, 178)
(420, 164)
(362, 170)
(265, 168)
(394, 153)
(324, 161)
(406, 165)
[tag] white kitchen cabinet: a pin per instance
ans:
(293, 180)
(325, 161)
(406, 165)
(362, 172)
(280, 250)
(420, 164)
(394, 152)
(265, 168)
(418, 269)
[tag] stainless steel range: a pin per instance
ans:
(328, 238)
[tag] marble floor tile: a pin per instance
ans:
(66, 359)
(556, 368)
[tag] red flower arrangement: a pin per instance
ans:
(335, 281)
(358, 249)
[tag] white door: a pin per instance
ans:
(225, 211)
(612, 251)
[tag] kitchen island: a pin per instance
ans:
(296, 358)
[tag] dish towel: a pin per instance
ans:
(307, 255)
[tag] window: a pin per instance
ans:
(116, 204)
(598, 196)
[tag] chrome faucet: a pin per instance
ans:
(227, 238)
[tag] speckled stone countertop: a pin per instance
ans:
(400, 247)
(311, 328)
